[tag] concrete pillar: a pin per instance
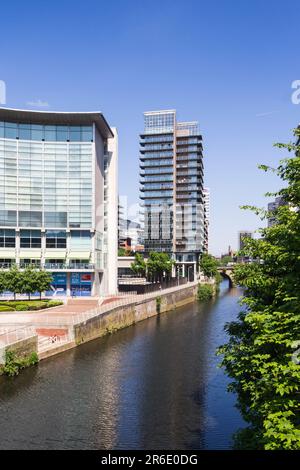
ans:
(68, 284)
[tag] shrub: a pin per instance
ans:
(13, 363)
(54, 303)
(21, 307)
(37, 306)
(205, 292)
(158, 304)
(6, 308)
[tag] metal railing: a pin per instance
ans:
(9, 335)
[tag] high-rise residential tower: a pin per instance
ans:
(272, 206)
(59, 204)
(171, 165)
(243, 234)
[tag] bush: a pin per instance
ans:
(158, 304)
(37, 306)
(6, 308)
(205, 292)
(13, 363)
(21, 307)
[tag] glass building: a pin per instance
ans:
(58, 175)
(171, 171)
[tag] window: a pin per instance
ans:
(30, 238)
(80, 239)
(6, 263)
(7, 238)
(56, 239)
(30, 219)
(39, 132)
(8, 218)
(56, 219)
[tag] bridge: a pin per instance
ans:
(226, 272)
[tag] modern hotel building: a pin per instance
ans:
(58, 198)
(171, 164)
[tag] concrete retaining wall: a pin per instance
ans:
(123, 316)
(22, 348)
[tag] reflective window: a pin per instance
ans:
(56, 219)
(7, 238)
(39, 132)
(30, 238)
(30, 219)
(56, 239)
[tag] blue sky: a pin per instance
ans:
(228, 64)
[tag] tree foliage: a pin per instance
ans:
(260, 354)
(27, 281)
(155, 268)
(139, 265)
(159, 266)
(208, 265)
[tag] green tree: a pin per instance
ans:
(225, 260)
(260, 355)
(123, 252)
(139, 265)
(29, 281)
(13, 280)
(43, 281)
(208, 265)
(159, 266)
(3, 282)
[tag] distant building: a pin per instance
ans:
(206, 194)
(272, 206)
(242, 235)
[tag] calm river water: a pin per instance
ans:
(154, 385)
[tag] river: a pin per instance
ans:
(154, 385)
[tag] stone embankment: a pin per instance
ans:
(48, 334)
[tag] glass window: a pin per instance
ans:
(37, 132)
(10, 130)
(56, 239)
(30, 219)
(50, 133)
(8, 218)
(7, 238)
(62, 133)
(80, 239)
(30, 238)
(75, 136)
(56, 219)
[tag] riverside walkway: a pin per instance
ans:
(54, 326)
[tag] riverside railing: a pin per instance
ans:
(74, 318)
(9, 335)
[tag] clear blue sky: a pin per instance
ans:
(228, 64)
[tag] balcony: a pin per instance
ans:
(68, 266)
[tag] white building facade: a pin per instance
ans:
(58, 182)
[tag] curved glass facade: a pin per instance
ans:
(45, 184)
(50, 133)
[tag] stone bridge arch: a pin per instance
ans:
(226, 273)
